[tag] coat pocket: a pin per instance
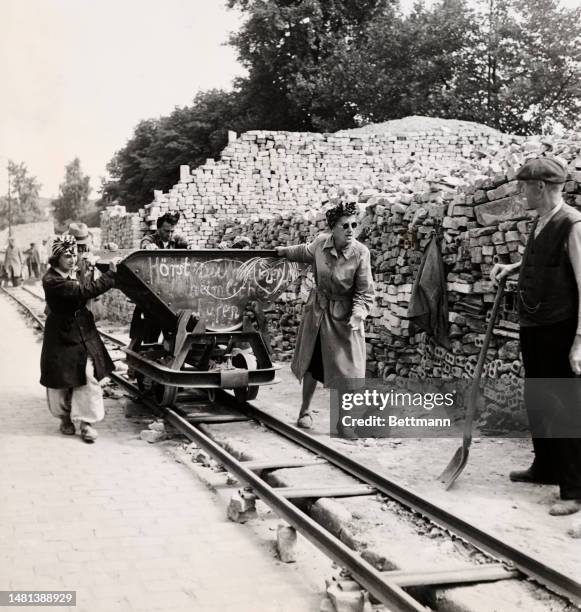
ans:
(340, 310)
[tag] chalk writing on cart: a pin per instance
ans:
(219, 289)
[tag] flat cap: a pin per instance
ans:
(548, 169)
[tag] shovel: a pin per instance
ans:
(460, 458)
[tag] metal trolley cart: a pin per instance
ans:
(197, 300)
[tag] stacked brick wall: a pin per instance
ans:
(481, 220)
(261, 173)
(123, 229)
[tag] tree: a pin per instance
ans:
(189, 135)
(544, 77)
(520, 70)
(287, 46)
(24, 197)
(399, 66)
(73, 198)
(326, 65)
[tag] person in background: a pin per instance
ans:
(43, 257)
(241, 242)
(163, 238)
(80, 232)
(28, 259)
(3, 274)
(73, 357)
(331, 338)
(86, 271)
(34, 261)
(14, 262)
(549, 290)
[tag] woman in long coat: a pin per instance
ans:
(73, 358)
(331, 339)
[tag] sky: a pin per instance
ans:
(78, 75)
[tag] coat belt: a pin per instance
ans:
(324, 298)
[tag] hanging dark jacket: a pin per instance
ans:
(70, 335)
(428, 307)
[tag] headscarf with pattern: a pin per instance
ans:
(343, 209)
(64, 245)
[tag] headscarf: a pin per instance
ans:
(343, 209)
(64, 245)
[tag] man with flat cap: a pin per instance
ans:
(549, 287)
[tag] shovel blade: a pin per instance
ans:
(455, 467)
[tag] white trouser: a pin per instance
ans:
(79, 403)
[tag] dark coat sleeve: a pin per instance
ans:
(71, 291)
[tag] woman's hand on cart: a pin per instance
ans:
(114, 263)
(356, 322)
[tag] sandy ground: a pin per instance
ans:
(482, 496)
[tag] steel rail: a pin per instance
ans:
(41, 323)
(23, 305)
(532, 568)
(389, 593)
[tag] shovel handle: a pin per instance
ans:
(481, 359)
(489, 329)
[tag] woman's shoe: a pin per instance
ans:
(67, 427)
(88, 433)
(305, 421)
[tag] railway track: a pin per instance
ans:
(506, 562)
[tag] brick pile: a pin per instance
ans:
(264, 173)
(122, 228)
(480, 214)
(410, 185)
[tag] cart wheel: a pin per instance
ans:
(211, 395)
(245, 394)
(247, 362)
(164, 395)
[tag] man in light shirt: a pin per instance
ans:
(164, 237)
(550, 331)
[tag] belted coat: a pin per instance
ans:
(70, 335)
(344, 285)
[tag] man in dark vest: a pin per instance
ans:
(550, 331)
